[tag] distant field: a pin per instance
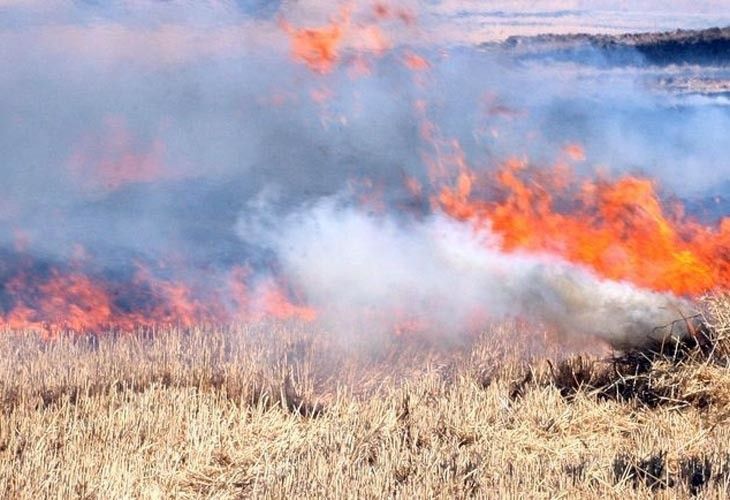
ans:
(275, 410)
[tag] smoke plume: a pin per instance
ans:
(226, 160)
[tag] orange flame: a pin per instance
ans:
(74, 301)
(267, 301)
(275, 304)
(318, 47)
(70, 301)
(619, 228)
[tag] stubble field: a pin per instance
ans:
(280, 410)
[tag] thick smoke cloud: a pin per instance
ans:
(148, 131)
(370, 274)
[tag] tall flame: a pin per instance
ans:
(619, 228)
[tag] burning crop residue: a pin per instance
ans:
(364, 178)
(619, 228)
(50, 300)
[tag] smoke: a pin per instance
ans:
(151, 131)
(369, 274)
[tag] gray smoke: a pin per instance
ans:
(148, 131)
(368, 273)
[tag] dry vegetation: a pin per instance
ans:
(275, 410)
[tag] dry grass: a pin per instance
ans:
(278, 411)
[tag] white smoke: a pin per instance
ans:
(204, 105)
(365, 272)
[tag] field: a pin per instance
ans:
(277, 410)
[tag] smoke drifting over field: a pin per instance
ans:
(220, 161)
(369, 274)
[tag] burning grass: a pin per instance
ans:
(278, 410)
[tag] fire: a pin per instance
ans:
(80, 302)
(173, 301)
(275, 304)
(267, 300)
(318, 47)
(619, 228)
(61, 301)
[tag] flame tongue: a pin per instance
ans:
(318, 47)
(619, 229)
(79, 302)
